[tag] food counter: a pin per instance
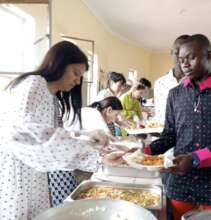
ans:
(142, 187)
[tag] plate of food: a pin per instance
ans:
(140, 160)
(154, 124)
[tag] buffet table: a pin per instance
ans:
(128, 179)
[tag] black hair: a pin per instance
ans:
(177, 43)
(200, 39)
(52, 69)
(115, 77)
(111, 101)
(180, 40)
(139, 87)
(145, 82)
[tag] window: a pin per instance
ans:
(17, 36)
(91, 77)
(24, 38)
(132, 75)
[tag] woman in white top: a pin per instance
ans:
(116, 82)
(101, 113)
(95, 117)
(115, 85)
(109, 109)
(31, 141)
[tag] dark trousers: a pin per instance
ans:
(169, 208)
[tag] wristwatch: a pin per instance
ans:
(195, 161)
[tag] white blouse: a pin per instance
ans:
(104, 94)
(30, 146)
(91, 119)
(162, 87)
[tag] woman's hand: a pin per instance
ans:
(125, 124)
(114, 158)
(112, 148)
(100, 138)
(183, 164)
(122, 122)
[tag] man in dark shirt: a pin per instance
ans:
(188, 129)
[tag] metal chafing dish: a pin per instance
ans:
(126, 171)
(100, 209)
(138, 188)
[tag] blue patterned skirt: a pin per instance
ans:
(61, 184)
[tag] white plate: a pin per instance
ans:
(144, 130)
(99, 209)
(127, 143)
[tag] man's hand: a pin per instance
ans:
(183, 164)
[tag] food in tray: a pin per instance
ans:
(144, 198)
(150, 160)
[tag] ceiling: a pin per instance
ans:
(153, 24)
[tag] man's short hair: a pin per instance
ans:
(180, 40)
(201, 40)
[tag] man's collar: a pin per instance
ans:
(206, 84)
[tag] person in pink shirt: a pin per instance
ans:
(188, 130)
